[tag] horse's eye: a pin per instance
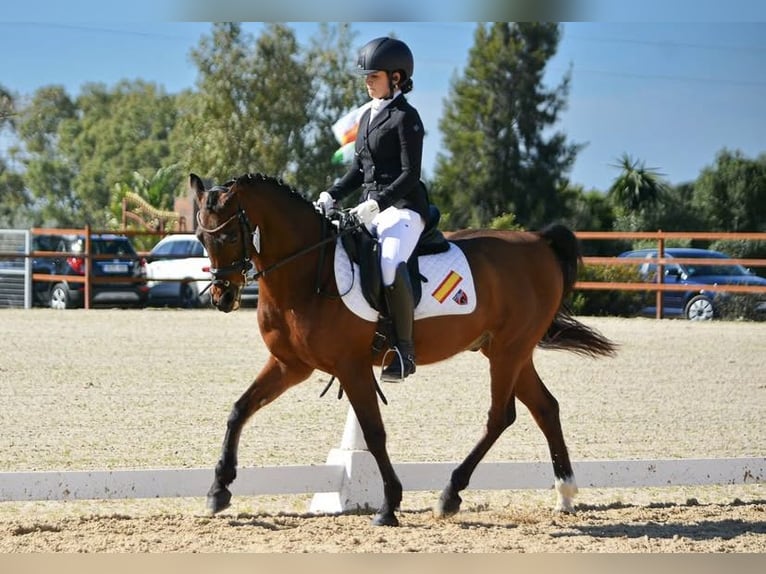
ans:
(226, 238)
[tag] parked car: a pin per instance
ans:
(183, 259)
(178, 270)
(697, 304)
(123, 262)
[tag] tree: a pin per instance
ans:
(676, 211)
(731, 194)
(251, 105)
(14, 199)
(589, 211)
(47, 175)
(501, 155)
(77, 150)
(336, 91)
(123, 130)
(636, 186)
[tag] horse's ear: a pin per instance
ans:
(196, 185)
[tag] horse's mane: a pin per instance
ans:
(248, 178)
(251, 178)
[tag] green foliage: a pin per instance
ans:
(336, 91)
(608, 302)
(589, 211)
(251, 105)
(7, 108)
(740, 307)
(501, 155)
(78, 149)
(637, 186)
(674, 211)
(266, 104)
(505, 221)
(159, 190)
(731, 194)
(14, 201)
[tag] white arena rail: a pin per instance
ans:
(350, 479)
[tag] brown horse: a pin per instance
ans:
(521, 279)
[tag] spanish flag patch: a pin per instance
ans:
(447, 286)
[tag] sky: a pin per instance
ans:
(670, 94)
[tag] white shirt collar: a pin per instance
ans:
(378, 104)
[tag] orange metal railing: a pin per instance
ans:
(661, 237)
(658, 287)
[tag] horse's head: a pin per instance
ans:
(224, 230)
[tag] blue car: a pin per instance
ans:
(696, 304)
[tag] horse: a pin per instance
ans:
(521, 281)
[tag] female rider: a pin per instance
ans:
(386, 165)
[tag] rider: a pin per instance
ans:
(393, 203)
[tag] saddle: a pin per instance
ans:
(363, 249)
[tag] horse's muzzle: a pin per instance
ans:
(226, 298)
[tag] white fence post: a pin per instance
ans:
(361, 486)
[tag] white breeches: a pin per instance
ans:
(398, 231)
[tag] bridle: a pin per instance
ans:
(242, 265)
(245, 264)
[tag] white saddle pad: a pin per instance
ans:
(448, 289)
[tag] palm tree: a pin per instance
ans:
(637, 186)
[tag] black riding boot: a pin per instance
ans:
(401, 307)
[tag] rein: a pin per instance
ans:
(245, 264)
(346, 224)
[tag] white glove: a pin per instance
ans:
(366, 211)
(325, 202)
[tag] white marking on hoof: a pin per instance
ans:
(566, 490)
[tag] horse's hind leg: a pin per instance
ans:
(274, 379)
(502, 413)
(545, 410)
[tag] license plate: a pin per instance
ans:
(115, 268)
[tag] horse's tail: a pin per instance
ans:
(564, 244)
(568, 334)
(565, 332)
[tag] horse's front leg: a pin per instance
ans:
(274, 379)
(360, 390)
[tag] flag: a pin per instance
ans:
(344, 131)
(345, 128)
(344, 154)
(447, 286)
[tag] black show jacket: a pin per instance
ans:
(387, 159)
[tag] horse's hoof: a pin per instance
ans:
(218, 500)
(564, 507)
(385, 520)
(448, 505)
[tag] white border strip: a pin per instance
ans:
(251, 481)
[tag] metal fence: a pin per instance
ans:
(15, 269)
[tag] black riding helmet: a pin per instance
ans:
(387, 55)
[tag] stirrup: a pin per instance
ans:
(400, 368)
